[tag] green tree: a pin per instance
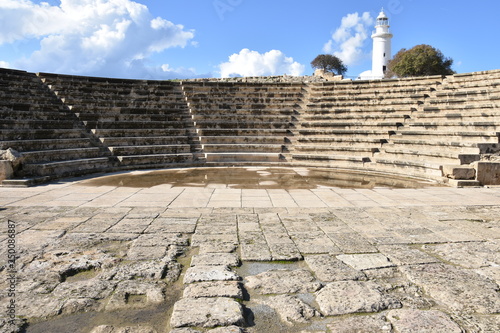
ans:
(421, 60)
(329, 63)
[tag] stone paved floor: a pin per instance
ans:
(218, 259)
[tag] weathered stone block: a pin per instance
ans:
(207, 312)
(488, 173)
(459, 172)
(345, 297)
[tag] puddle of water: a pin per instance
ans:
(256, 178)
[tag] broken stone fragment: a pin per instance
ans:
(291, 309)
(207, 312)
(129, 329)
(135, 294)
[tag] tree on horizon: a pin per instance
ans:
(329, 63)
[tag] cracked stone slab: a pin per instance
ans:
(255, 252)
(135, 294)
(283, 281)
(216, 259)
(146, 252)
(422, 321)
(346, 297)
(230, 289)
(284, 251)
(366, 261)
(352, 243)
(209, 273)
(207, 312)
(361, 324)
(291, 309)
(405, 255)
(468, 255)
(459, 289)
(329, 269)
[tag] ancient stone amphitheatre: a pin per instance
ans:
(249, 205)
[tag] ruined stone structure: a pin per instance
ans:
(438, 128)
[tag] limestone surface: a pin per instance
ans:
(460, 290)
(214, 289)
(422, 321)
(328, 269)
(207, 312)
(283, 281)
(209, 273)
(291, 309)
(347, 297)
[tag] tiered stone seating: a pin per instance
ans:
(142, 123)
(456, 125)
(346, 123)
(244, 122)
(47, 134)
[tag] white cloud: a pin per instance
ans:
(4, 64)
(349, 39)
(90, 37)
(253, 63)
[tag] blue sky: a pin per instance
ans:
(160, 39)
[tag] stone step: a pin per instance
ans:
(451, 125)
(243, 132)
(27, 105)
(370, 92)
(25, 124)
(150, 150)
(441, 146)
(361, 111)
(62, 154)
(366, 118)
(144, 141)
(408, 168)
(130, 108)
(66, 168)
(442, 157)
(180, 116)
(335, 150)
(140, 132)
(156, 159)
(243, 118)
(37, 115)
(244, 112)
(387, 126)
(367, 98)
(30, 134)
(243, 157)
(244, 139)
(346, 133)
(46, 144)
(243, 148)
(451, 136)
(353, 141)
(330, 160)
(118, 125)
(208, 125)
(369, 103)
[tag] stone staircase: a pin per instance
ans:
(455, 127)
(244, 123)
(48, 135)
(144, 124)
(347, 123)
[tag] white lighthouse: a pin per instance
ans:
(381, 46)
